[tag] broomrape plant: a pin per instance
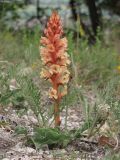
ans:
(55, 60)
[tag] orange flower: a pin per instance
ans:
(55, 60)
(54, 69)
(45, 74)
(53, 93)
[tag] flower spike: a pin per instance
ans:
(55, 60)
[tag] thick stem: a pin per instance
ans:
(57, 114)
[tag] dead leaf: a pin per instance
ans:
(104, 140)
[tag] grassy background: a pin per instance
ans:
(94, 71)
(93, 68)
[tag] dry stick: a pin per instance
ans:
(88, 141)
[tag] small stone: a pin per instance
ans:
(30, 112)
(40, 152)
(13, 85)
(46, 152)
(49, 156)
(9, 153)
(25, 117)
(30, 150)
(63, 151)
(33, 120)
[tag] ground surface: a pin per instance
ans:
(12, 147)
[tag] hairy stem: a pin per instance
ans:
(57, 114)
